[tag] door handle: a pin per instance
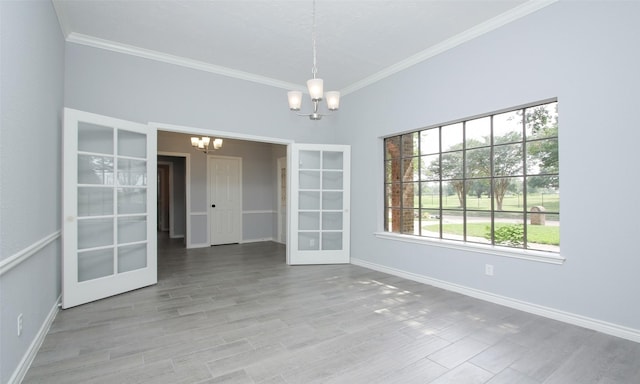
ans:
(213, 205)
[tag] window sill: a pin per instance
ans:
(539, 256)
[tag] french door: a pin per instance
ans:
(320, 195)
(109, 207)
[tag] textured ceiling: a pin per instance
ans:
(358, 41)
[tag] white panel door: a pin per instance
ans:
(319, 200)
(225, 197)
(109, 207)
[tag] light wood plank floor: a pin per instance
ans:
(238, 314)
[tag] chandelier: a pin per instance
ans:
(314, 85)
(203, 144)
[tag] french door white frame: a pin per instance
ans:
(77, 290)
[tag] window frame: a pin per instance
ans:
(523, 138)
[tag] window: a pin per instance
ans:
(493, 180)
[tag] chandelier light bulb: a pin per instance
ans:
(295, 100)
(315, 89)
(333, 100)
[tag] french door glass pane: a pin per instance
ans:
(309, 220)
(331, 241)
(309, 180)
(332, 200)
(332, 160)
(309, 199)
(132, 144)
(95, 201)
(131, 257)
(332, 220)
(132, 200)
(132, 229)
(95, 233)
(132, 172)
(308, 241)
(95, 138)
(332, 180)
(95, 264)
(95, 169)
(309, 160)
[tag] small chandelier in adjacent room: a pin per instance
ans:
(315, 86)
(204, 143)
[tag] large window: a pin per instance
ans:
(490, 180)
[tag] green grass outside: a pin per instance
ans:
(538, 234)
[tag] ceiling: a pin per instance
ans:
(358, 41)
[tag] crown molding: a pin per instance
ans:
(62, 18)
(109, 45)
(479, 30)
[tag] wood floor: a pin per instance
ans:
(238, 314)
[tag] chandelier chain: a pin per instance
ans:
(314, 69)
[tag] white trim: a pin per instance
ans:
(199, 245)
(14, 260)
(178, 236)
(223, 134)
(476, 31)
(109, 45)
(258, 240)
(199, 213)
(30, 355)
(257, 212)
(523, 254)
(551, 313)
(281, 163)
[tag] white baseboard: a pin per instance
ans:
(198, 245)
(176, 237)
(555, 314)
(30, 355)
(257, 240)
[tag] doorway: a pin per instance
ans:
(172, 195)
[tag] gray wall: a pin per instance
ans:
(31, 82)
(259, 183)
(587, 55)
(143, 90)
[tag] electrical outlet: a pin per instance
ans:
(488, 269)
(312, 242)
(20, 324)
